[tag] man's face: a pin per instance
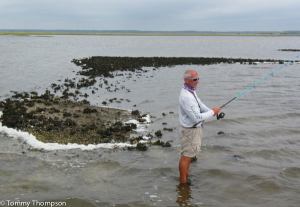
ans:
(189, 82)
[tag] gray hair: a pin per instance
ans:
(187, 74)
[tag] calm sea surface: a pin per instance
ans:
(254, 163)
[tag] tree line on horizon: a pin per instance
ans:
(153, 32)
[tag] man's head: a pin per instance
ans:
(191, 78)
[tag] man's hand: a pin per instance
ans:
(216, 110)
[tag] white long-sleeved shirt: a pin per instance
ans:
(189, 112)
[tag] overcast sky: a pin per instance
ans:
(151, 15)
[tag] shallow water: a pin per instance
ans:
(255, 161)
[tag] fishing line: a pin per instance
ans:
(222, 114)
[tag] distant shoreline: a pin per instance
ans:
(17, 33)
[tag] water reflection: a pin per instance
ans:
(184, 195)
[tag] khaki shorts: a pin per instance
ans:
(190, 140)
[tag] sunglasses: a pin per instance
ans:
(193, 79)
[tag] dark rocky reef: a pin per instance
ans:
(52, 119)
(97, 66)
(289, 50)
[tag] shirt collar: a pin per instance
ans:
(190, 89)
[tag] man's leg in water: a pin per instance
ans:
(184, 166)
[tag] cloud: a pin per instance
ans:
(149, 14)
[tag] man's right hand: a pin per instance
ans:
(216, 110)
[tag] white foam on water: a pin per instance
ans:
(33, 142)
(140, 127)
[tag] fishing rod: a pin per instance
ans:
(222, 114)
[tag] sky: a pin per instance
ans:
(151, 15)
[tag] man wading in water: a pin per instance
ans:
(192, 112)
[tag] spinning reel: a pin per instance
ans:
(220, 116)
